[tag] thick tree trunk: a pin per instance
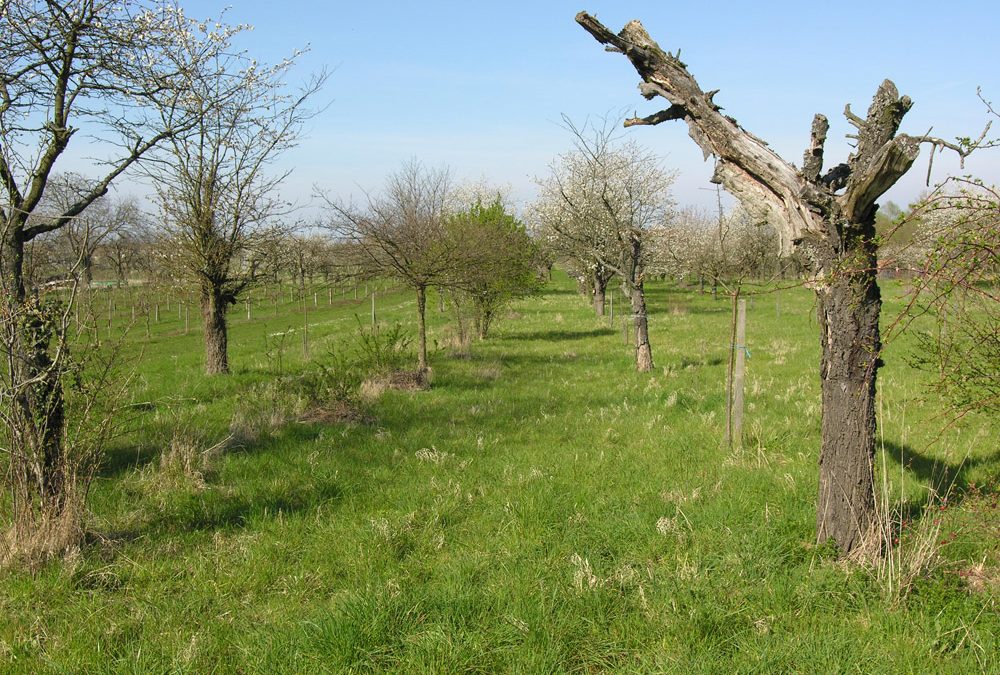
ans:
(36, 404)
(643, 350)
(214, 306)
(422, 328)
(848, 317)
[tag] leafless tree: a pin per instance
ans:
(602, 200)
(125, 244)
(82, 235)
(829, 216)
(214, 188)
(402, 233)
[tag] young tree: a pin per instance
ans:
(212, 181)
(957, 283)
(602, 200)
(499, 261)
(403, 234)
(112, 66)
(831, 217)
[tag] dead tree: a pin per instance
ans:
(830, 217)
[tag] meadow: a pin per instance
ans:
(541, 508)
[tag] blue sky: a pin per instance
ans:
(481, 86)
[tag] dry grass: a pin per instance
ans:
(29, 542)
(401, 380)
(263, 411)
(490, 371)
(187, 460)
(336, 412)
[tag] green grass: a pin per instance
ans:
(543, 508)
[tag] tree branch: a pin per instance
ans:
(747, 166)
(674, 112)
(812, 161)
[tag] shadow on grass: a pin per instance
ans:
(216, 510)
(121, 459)
(714, 361)
(946, 480)
(554, 335)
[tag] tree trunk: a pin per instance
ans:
(600, 292)
(213, 313)
(848, 317)
(37, 407)
(484, 317)
(643, 350)
(422, 328)
(87, 265)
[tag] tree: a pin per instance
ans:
(500, 260)
(127, 242)
(211, 180)
(403, 234)
(602, 200)
(831, 218)
(958, 284)
(113, 67)
(84, 234)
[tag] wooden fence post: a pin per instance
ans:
(739, 377)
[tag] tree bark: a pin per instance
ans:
(37, 406)
(422, 329)
(848, 317)
(643, 350)
(214, 306)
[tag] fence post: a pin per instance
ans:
(739, 377)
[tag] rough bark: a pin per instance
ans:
(214, 306)
(37, 407)
(643, 350)
(848, 311)
(827, 217)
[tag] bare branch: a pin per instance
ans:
(674, 112)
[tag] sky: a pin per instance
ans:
(481, 86)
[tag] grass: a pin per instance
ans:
(543, 508)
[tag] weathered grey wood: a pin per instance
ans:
(827, 217)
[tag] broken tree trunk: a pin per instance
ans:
(829, 217)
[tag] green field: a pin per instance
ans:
(542, 508)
